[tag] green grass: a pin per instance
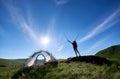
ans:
(8, 72)
(8, 67)
(11, 62)
(75, 70)
(13, 69)
(111, 53)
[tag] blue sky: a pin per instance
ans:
(95, 24)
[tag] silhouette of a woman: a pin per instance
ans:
(74, 44)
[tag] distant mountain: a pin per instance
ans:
(15, 62)
(112, 53)
(11, 62)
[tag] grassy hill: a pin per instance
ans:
(11, 62)
(62, 70)
(84, 67)
(14, 62)
(8, 67)
(73, 70)
(112, 53)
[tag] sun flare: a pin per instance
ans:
(45, 40)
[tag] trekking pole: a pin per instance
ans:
(67, 38)
(77, 36)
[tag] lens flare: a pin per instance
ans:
(45, 40)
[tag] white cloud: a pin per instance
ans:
(61, 2)
(51, 26)
(19, 20)
(24, 24)
(60, 48)
(97, 45)
(30, 32)
(106, 24)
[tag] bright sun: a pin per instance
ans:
(45, 40)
